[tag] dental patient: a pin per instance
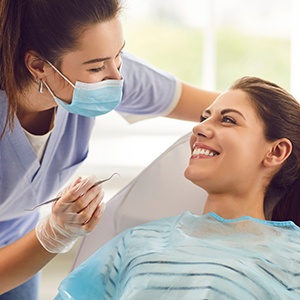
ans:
(245, 152)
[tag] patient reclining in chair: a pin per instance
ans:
(245, 153)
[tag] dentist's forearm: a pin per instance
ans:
(22, 260)
(193, 101)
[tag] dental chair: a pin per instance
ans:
(159, 191)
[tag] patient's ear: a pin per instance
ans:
(280, 151)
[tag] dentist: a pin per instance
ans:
(60, 67)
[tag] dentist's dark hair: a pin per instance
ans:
(280, 113)
(49, 27)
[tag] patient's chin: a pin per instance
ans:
(191, 174)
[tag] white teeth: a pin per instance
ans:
(201, 151)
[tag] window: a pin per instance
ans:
(209, 43)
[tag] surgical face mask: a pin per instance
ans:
(91, 99)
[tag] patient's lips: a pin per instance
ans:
(203, 151)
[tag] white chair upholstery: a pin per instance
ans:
(160, 191)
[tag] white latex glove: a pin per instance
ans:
(75, 214)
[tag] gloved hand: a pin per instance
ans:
(75, 214)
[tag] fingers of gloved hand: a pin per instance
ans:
(96, 217)
(71, 216)
(83, 186)
(70, 186)
(94, 194)
(83, 217)
(86, 213)
(77, 189)
(70, 195)
(81, 206)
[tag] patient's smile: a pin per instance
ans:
(204, 152)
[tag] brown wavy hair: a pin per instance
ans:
(280, 113)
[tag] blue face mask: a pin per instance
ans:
(91, 99)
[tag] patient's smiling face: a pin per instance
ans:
(228, 145)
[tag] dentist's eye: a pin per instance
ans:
(96, 70)
(119, 54)
(230, 120)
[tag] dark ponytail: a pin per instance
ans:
(288, 207)
(280, 113)
(10, 31)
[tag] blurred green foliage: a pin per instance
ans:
(240, 54)
(178, 50)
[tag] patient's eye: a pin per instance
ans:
(226, 119)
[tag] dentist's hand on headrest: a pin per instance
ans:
(75, 214)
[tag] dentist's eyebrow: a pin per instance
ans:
(95, 60)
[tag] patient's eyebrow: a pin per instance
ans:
(95, 60)
(228, 110)
(225, 111)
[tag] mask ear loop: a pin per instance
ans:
(50, 91)
(60, 73)
(48, 88)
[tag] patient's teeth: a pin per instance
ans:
(201, 151)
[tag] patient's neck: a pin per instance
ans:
(232, 207)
